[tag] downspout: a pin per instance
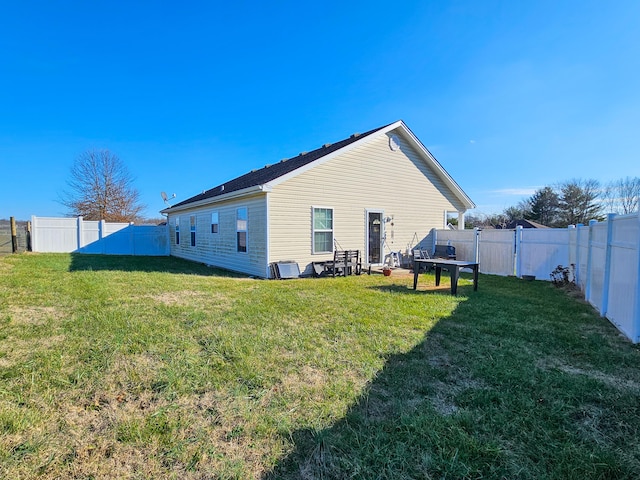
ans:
(267, 234)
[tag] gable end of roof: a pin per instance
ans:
(265, 178)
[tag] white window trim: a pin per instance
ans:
(313, 229)
(246, 231)
(193, 228)
(217, 213)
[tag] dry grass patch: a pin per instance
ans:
(188, 297)
(34, 315)
(16, 351)
(611, 380)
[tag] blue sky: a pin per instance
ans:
(508, 96)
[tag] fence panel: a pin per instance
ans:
(90, 233)
(623, 283)
(463, 240)
(149, 239)
(55, 235)
(79, 236)
(118, 238)
(579, 254)
(542, 250)
(596, 263)
(497, 252)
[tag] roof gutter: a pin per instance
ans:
(219, 198)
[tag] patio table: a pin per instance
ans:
(453, 266)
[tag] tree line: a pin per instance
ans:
(568, 203)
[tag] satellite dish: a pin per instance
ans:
(165, 198)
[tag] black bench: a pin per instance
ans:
(345, 262)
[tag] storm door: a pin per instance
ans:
(374, 237)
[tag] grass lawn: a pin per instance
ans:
(130, 367)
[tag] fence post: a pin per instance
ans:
(570, 229)
(14, 235)
(517, 252)
(101, 235)
(132, 240)
(587, 290)
(577, 271)
(29, 237)
(607, 266)
(34, 235)
(476, 244)
(79, 233)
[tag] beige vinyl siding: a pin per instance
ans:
(371, 176)
(219, 249)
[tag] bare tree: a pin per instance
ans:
(622, 196)
(517, 212)
(482, 220)
(100, 188)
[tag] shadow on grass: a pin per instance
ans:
(128, 263)
(401, 427)
(467, 402)
(444, 290)
(427, 285)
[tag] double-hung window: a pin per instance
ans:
(177, 230)
(322, 230)
(215, 222)
(192, 222)
(242, 222)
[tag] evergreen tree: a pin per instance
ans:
(578, 202)
(544, 206)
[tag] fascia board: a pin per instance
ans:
(219, 198)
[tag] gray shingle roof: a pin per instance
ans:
(271, 172)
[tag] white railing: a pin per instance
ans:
(604, 257)
(74, 235)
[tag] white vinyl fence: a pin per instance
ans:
(79, 236)
(604, 256)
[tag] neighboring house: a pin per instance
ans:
(376, 192)
(523, 223)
